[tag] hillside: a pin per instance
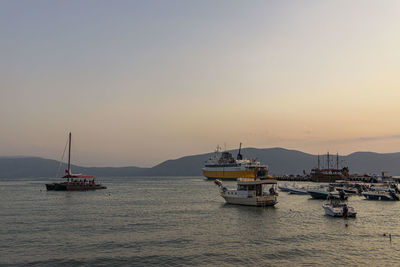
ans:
(280, 161)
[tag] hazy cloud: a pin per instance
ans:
(377, 138)
(307, 130)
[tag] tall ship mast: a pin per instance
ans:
(329, 174)
(224, 166)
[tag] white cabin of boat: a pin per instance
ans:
(251, 192)
(254, 185)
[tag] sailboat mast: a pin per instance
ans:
(69, 155)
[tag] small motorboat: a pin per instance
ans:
(349, 191)
(297, 190)
(321, 193)
(284, 187)
(337, 209)
(381, 195)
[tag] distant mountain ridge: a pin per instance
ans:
(280, 161)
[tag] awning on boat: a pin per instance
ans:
(70, 175)
(78, 176)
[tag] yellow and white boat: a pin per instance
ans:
(224, 167)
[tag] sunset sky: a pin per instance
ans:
(140, 82)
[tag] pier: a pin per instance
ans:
(297, 178)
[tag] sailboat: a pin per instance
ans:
(75, 182)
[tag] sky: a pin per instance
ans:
(140, 82)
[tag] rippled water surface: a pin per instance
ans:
(184, 221)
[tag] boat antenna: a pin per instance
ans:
(239, 156)
(69, 155)
(318, 161)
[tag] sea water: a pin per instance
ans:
(183, 221)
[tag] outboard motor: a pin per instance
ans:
(359, 190)
(396, 189)
(342, 195)
(345, 211)
(393, 195)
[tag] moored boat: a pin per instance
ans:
(381, 195)
(297, 190)
(74, 182)
(329, 174)
(324, 193)
(284, 187)
(250, 192)
(336, 209)
(347, 190)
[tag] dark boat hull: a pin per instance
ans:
(371, 196)
(51, 186)
(318, 195)
(324, 195)
(235, 178)
(73, 187)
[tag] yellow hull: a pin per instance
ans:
(230, 175)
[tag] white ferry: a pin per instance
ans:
(224, 167)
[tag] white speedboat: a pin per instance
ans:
(284, 187)
(297, 190)
(250, 192)
(336, 209)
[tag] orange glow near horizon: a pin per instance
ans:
(138, 84)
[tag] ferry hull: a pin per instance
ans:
(229, 175)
